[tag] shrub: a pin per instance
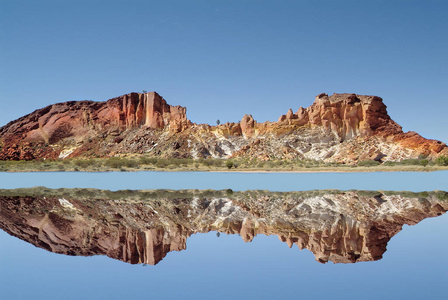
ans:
(229, 164)
(83, 163)
(410, 161)
(442, 160)
(218, 162)
(130, 163)
(115, 162)
(368, 163)
(148, 160)
(424, 162)
(161, 163)
(207, 162)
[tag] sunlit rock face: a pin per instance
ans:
(338, 128)
(143, 226)
(74, 124)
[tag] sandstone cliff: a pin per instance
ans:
(337, 128)
(143, 226)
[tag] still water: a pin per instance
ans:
(226, 267)
(395, 181)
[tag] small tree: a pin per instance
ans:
(229, 164)
(218, 122)
(144, 91)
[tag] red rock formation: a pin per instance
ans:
(81, 120)
(247, 126)
(340, 127)
(347, 115)
(149, 110)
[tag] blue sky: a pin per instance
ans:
(223, 59)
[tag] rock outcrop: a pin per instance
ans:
(247, 125)
(143, 226)
(338, 128)
(147, 110)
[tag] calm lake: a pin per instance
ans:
(224, 266)
(396, 181)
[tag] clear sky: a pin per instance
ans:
(223, 59)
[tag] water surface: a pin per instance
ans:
(413, 267)
(397, 181)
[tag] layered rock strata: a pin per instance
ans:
(143, 226)
(338, 128)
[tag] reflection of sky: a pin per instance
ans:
(414, 267)
(397, 181)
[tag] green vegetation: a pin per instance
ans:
(442, 161)
(141, 195)
(368, 163)
(147, 163)
(441, 195)
(229, 164)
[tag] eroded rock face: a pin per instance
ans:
(338, 226)
(337, 128)
(247, 126)
(48, 131)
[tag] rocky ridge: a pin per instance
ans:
(342, 128)
(143, 226)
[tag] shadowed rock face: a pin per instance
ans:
(336, 128)
(343, 227)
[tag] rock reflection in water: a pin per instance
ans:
(143, 226)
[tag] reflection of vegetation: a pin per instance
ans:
(135, 163)
(369, 193)
(139, 195)
(441, 195)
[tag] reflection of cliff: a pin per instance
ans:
(143, 226)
